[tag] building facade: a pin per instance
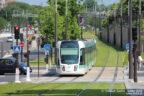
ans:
(4, 3)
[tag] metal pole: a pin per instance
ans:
(95, 19)
(1, 49)
(100, 19)
(66, 19)
(55, 30)
(130, 41)
(135, 63)
(28, 52)
(108, 29)
(140, 25)
(81, 32)
(121, 26)
(100, 27)
(17, 66)
(51, 52)
(21, 54)
(21, 39)
(47, 54)
(38, 59)
(86, 18)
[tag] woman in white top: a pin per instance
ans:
(140, 60)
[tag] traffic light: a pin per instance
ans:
(17, 32)
(134, 34)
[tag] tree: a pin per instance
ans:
(18, 8)
(47, 20)
(3, 23)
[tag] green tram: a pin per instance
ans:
(75, 57)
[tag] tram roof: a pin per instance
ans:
(88, 42)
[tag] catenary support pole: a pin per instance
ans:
(55, 31)
(140, 49)
(28, 52)
(130, 42)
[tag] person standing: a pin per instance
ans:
(140, 61)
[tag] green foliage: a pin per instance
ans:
(47, 20)
(3, 23)
(18, 8)
(117, 8)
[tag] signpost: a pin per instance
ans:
(47, 47)
(127, 47)
(21, 45)
(39, 41)
(16, 49)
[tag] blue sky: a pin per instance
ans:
(39, 2)
(34, 2)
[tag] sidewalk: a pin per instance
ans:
(134, 89)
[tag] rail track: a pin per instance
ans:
(114, 76)
(98, 76)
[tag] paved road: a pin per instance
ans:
(10, 77)
(6, 45)
(7, 51)
(46, 77)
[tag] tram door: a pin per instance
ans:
(82, 57)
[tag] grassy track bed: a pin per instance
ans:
(102, 52)
(101, 89)
(72, 89)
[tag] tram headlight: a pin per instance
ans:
(75, 67)
(63, 68)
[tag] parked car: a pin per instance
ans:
(8, 65)
(9, 39)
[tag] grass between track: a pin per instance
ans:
(72, 89)
(103, 49)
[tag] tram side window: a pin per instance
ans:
(82, 57)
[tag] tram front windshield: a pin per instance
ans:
(69, 52)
